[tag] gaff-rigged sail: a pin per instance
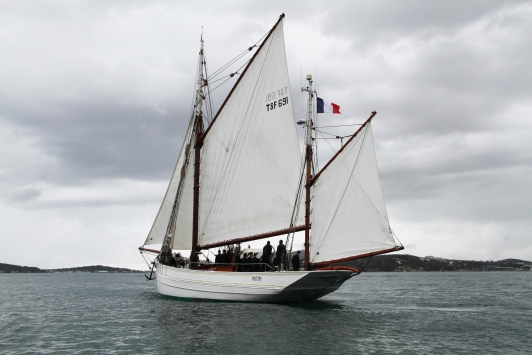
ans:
(185, 173)
(250, 158)
(349, 215)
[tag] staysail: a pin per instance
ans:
(185, 173)
(349, 215)
(251, 158)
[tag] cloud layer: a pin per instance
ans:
(96, 98)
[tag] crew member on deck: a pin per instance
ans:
(254, 263)
(279, 254)
(230, 255)
(179, 260)
(238, 261)
(295, 261)
(225, 258)
(245, 264)
(217, 259)
(267, 253)
(173, 260)
(248, 260)
(194, 255)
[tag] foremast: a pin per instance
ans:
(194, 135)
(197, 147)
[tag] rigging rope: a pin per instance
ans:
(208, 99)
(239, 56)
(327, 140)
(227, 65)
(295, 211)
(342, 125)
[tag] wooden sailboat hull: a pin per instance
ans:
(269, 287)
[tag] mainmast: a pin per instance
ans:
(308, 164)
(197, 147)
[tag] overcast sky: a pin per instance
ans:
(95, 98)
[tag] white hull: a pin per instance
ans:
(277, 287)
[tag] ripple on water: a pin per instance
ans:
(374, 313)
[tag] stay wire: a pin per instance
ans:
(230, 77)
(327, 140)
(208, 100)
(239, 56)
(297, 206)
(342, 125)
(223, 82)
(217, 80)
(317, 130)
(228, 64)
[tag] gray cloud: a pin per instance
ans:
(96, 98)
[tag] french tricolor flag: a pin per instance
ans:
(327, 107)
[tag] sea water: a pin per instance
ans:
(373, 313)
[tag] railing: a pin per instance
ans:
(230, 267)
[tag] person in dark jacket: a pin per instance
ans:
(217, 259)
(267, 253)
(250, 257)
(194, 257)
(279, 254)
(295, 261)
(244, 262)
(254, 263)
(225, 258)
(238, 261)
(230, 255)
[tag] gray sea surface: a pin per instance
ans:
(373, 313)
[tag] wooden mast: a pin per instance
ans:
(308, 164)
(197, 150)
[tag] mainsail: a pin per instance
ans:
(349, 215)
(251, 158)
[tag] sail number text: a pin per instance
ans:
(277, 93)
(275, 104)
(275, 98)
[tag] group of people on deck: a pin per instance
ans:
(173, 259)
(249, 262)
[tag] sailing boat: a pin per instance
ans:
(243, 178)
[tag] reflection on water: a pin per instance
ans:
(396, 313)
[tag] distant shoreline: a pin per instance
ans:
(411, 263)
(379, 263)
(95, 269)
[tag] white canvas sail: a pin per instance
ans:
(349, 215)
(183, 227)
(160, 225)
(251, 158)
